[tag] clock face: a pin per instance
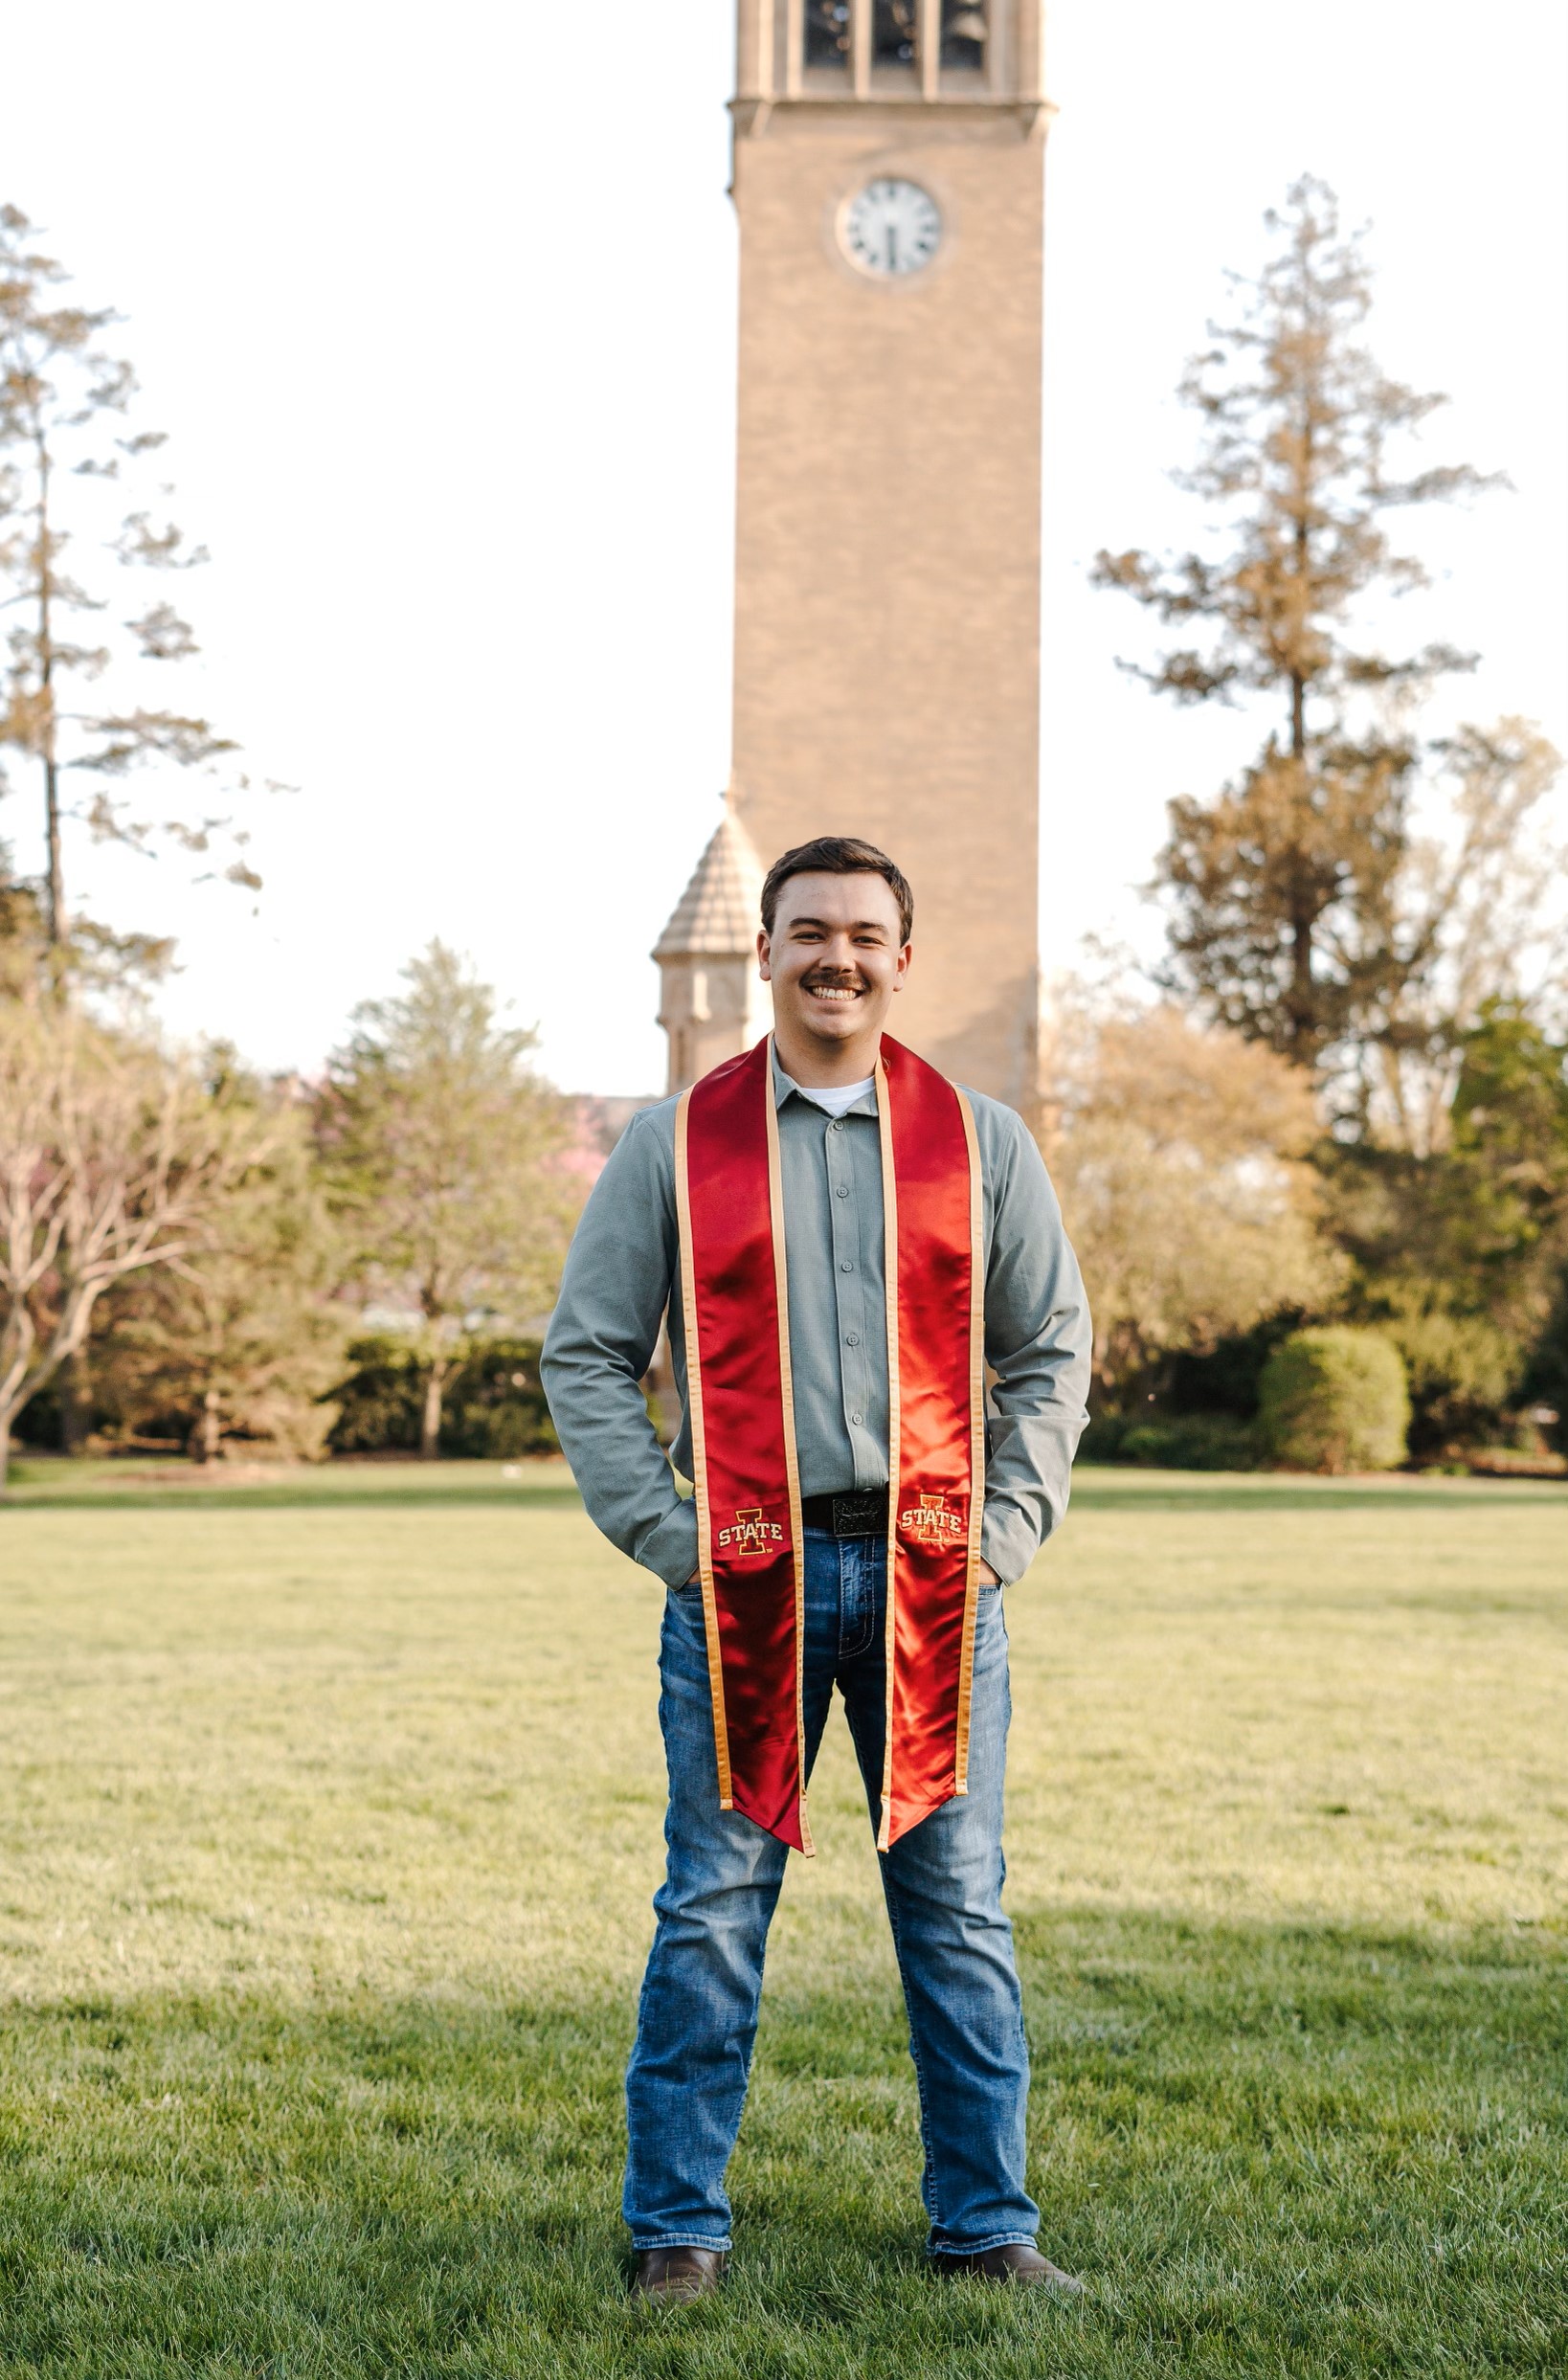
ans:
(891, 228)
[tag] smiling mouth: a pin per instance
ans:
(837, 994)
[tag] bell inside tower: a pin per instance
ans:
(852, 46)
(963, 34)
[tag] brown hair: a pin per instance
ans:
(839, 855)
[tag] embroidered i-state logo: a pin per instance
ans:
(932, 1521)
(751, 1536)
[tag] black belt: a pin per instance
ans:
(858, 1513)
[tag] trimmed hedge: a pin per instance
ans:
(1191, 1442)
(1335, 1400)
(494, 1405)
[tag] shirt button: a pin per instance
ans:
(844, 1265)
(852, 1340)
(837, 1124)
(855, 1419)
(843, 1190)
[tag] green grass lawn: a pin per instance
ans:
(330, 1813)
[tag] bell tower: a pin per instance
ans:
(888, 179)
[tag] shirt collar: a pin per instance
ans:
(785, 1087)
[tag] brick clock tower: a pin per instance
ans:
(888, 180)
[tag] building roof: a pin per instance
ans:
(718, 915)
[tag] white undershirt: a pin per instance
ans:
(838, 1097)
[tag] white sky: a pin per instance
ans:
(438, 309)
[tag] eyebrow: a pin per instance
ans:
(861, 925)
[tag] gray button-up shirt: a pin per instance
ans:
(623, 1273)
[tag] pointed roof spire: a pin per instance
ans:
(718, 915)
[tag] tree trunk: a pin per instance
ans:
(54, 862)
(210, 1428)
(430, 1420)
(5, 1451)
(54, 865)
(1303, 1003)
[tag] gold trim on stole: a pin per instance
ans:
(791, 1465)
(976, 1442)
(698, 1452)
(889, 1237)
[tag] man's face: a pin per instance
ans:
(835, 956)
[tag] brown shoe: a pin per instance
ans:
(671, 2276)
(1017, 2263)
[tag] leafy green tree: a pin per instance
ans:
(1510, 1126)
(1180, 1158)
(75, 538)
(242, 1338)
(443, 1146)
(1285, 912)
(1460, 1253)
(115, 1160)
(1483, 930)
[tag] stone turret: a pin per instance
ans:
(712, 1004)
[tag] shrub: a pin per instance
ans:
(493, 1406)
(1334, 1401)
(1102, 1440)
(1462, 1373)
(1546, 1384)
(1192, 1441)
(378, 1403)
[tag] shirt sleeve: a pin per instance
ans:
(598, 1346)
(1038, 1344)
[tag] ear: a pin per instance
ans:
(764, 946)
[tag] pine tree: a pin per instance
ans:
(1284, 891)
(77, 653)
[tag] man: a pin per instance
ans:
(845, 1242)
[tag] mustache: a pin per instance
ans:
(833, 978)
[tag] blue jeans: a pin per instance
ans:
(696, 2019)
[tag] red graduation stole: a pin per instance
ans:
(751, 1542)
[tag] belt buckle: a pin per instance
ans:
(857, 1516)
